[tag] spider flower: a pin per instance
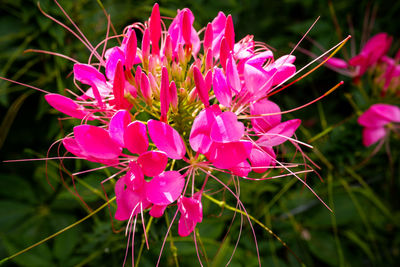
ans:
(377, 121)
(207, 99)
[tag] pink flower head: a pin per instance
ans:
(166, 107)
(375, 121)
(373, 50)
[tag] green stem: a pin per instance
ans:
(58, 233)
(143, 241)
(174, 249)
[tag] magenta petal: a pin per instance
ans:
(134, 178)
(200, 134)
(287, 59)
(266, 122)
(372, 135)
(259, 59)
(262, 158)
(208, 37)
(165, 188)
(337, 63)
(157, 210)
(129, 202)
(130, 49)
(88, 74)
(67, 106)
(164, 94)
(73, 147)
(221, 89)
(96, 142)
(226, 128)
(153, 162)
(229, 155)
(135, 137)
(114, 56)
(232, 74)
(279, 134)
(185, 226)
(118, 124)
(166, 139)
(258, 82)
(242, 169)
(379, 114)
(201, 87)
(283, 73)
(119, 88)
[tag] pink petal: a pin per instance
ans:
(166, 139)
(130, 49)
(226, 128)
(186, 27)
(153, 162)
(379, 114)
(266, 122)
(372, 135)
(232, 75)
(185, 226)
(129, 201)
(118, 124)
(279, 134)
(145, 86)
(229, 32)
(199, 139)
(221, 90)
(287, 59)
(89, 75)
(73, 147)
(67, 106)
(208, 37)
(96, 142)
(229, 155)
(283, 73)
(261, 158)
(134, 178)
(337, 63)
(155, 28)
(135, 137)
(191, 208)
(173, 95)
(201, 86)
(242, 169)
(258, 60)
(164, 95)
(157, 210)
(119, 88)
(218, 25)
(165, 188)
(258, 82)
(115, 54)
(224, 53)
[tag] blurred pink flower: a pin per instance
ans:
(376, 120)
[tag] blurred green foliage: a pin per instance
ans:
(362, 230)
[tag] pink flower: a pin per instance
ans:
(376, 120)
(206, 109)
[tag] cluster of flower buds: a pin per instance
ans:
(174, 106)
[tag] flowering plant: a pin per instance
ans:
(172, 111)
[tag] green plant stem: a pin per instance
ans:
(174, 249)
(58, 233)
(143, 241)
(224, 205)
(333, 219)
